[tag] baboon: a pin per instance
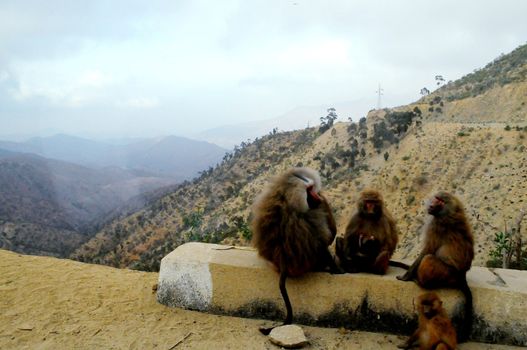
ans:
(435, 331)
(447, 253)
(293, 226)
(370, 238)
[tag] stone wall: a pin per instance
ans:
(235, 281)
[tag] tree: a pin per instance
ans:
(362, 123)
(352, 128)
(439, 79)
(425, 91)
(386, 155)
(327, 121)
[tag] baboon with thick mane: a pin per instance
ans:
(293, 226)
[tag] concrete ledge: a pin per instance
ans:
(235, 281)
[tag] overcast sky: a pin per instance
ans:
(146, 68)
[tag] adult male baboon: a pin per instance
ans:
(447, 252)
(293, 226)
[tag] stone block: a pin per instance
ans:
(235, 281)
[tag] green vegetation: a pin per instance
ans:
(327, 122)
(393, 129)
(502, 253)
(504, 70)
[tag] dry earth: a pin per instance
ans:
(49, 303)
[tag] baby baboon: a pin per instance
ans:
(435, 331)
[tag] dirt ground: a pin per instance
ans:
(48, 303)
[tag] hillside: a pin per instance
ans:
(51, 207)
(473, 146)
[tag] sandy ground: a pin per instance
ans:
(48, 303)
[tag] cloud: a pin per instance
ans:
(94, 78)
(4, 76)
(59, 83)
(139, 102)
(199, 64)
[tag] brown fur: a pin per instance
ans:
(290, 231)
(447, 252)
(365, 225)
(435, 330)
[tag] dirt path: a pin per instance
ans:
(48, 303)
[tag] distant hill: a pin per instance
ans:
(474, 146)
(178, 157)
(296, 119)
(50, 207)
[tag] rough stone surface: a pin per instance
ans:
(185, 280)
(290, 336)
(235, 281)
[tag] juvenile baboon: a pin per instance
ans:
(293, 226)
(447, 253)
(435, 331)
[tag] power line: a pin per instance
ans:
(379, 92)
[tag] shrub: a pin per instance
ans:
(421, 180)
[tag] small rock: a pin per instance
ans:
(343, 330)
(25, 327)
(289, 336)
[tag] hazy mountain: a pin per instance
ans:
(50, 206)
(178, 157)
(298, 118)
(477, 152)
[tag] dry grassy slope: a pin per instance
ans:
(487, 169)
(505, 104)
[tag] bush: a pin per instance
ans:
(421, 180)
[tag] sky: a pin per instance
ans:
(147, 68)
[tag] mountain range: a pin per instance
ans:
(469, 137)
(56, 192)
(172, 156)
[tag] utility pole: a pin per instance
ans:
(379, 94)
